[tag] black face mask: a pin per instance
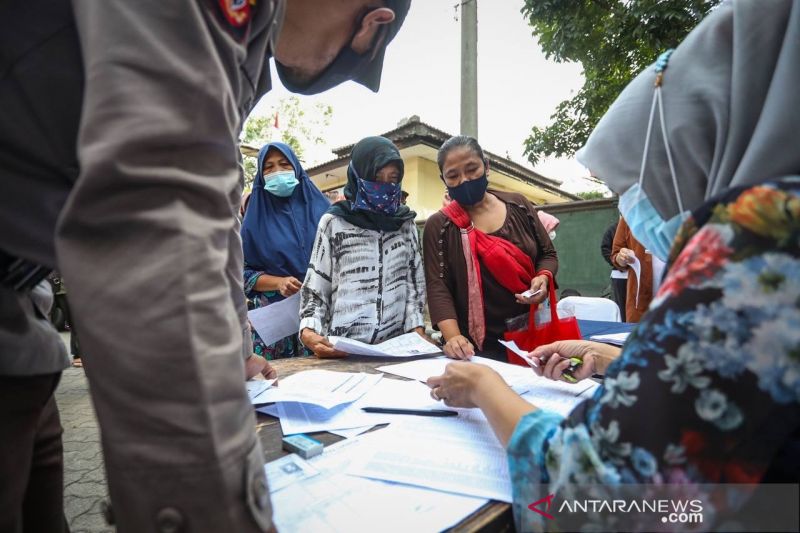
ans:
(347, 65)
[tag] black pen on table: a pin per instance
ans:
(417, 412)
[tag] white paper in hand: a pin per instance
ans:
(528, 293)
(511, 345)
(278, 320)
(407, 345)
(637, 270)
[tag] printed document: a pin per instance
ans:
(407, 345)
(335, 502)
(277, 320)
(305, 418)
(460, 455)
(516, 376)
(612, 338)
(257, 386)
(325, 388)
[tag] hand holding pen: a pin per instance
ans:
(573, 360)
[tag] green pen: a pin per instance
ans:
(574, 364)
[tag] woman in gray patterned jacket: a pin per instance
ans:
(365, 280)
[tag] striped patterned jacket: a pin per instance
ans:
(363, 284)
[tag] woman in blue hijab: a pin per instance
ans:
(278, 232)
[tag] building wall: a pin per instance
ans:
(578, 238)
(426, 190)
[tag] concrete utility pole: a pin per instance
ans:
(469, 68)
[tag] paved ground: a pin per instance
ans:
(84, 476)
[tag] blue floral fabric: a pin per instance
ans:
(707, 387)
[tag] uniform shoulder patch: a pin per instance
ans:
(236, 12)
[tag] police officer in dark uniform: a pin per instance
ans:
(119, 122)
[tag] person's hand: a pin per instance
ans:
(538, 283)
(462, 383)
(288, 286)
(255, 365)
(553, 359)
(625, 257)
(458, 347)
(421, 332)
(318, 344)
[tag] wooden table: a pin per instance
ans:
(492, 517)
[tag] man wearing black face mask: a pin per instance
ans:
(140, 221)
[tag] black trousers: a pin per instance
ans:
(31, 456)
(619, 290)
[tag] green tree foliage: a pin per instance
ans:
(299, 126)
(613, 40)
(591, 195)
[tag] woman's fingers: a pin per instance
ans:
(466, 348)
(586, 369)
(550, 366)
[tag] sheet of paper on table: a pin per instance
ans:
(406, 345)
(516, 376)
(558, 396)
(334, 501)
(277, 320)
(257, 386)
(460, 455)
(325, 388)
(304, 418)
(287, 470)
(351, 432)
(612, 338)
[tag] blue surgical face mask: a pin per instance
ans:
(470, 192)
(281, 183)
(646, 224)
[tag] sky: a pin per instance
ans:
(517, 87)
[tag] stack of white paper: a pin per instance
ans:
(612, 338)
(407, 345)
(516, 376)
(459, 455)
(335, 502)
(559, 396)
(321, 387)
(304, 418)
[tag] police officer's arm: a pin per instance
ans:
(144, 244)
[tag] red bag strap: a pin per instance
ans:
(534, 307)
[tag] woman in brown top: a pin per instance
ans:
(625, 249)
(476, 276)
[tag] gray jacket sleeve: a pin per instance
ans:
(144, 243)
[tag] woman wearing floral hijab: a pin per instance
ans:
(365, 279)
(707, 387)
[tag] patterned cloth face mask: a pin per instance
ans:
(377, 196)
